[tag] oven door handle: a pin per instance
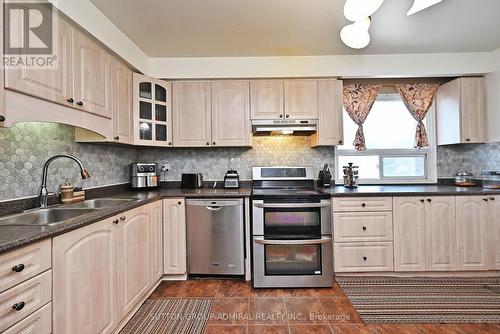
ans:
(292, 205)
(323, 240)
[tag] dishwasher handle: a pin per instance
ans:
(323, 240)
(213, 208)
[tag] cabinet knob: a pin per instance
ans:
(363, 204)
(281, 116)
(492, 198)
(2, 118)
(429, 200)
(341, 142)
(208, 144)
(80, 103)
(179, 202)
(169, 143)
(422, 200)
(287, 115)
(122, 218)
(364, 228)
(365, 258)
(18, 306)
(213, 143)
(467, 139)
(485, 199)
(115, 221)
(18, 268)
(70, 100)
(117, 137)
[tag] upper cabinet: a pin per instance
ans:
(330, 122)
(91, 76)
(121, 102)
(460, 107)
(266, 99)
(301, 98)
(152, 111)
(211, 113)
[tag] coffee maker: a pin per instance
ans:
(144, 175)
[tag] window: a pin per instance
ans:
(390, 136)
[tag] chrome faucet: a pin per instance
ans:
(44, 194)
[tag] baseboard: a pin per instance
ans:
(490, 273)
(179, 277)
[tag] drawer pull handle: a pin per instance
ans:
(80, 103)
(492, 198)
(116, 221)
(365, 258)
(18, 306)
(18, 268)
(364, 228)
(122, 218)
(422, 200)
(429, 200)
(363, 204)
(485, 199)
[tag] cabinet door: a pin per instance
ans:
(472, 232)
(174, 236)
(409, 234)
(301, 99)
(152, 111)
(440, 233)
(230, 113)
(121, 102)
(134, 249)
(56, 84)
(473, 108)
(156, 241)
(266, 99)
(91, 74)
(191, 113)
(494, 244)
(84, 277)
(330, 117)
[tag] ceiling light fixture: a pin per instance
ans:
(357, 10)
(419, 5)
(356, 35)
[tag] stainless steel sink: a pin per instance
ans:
(44, 217)
(100, 203)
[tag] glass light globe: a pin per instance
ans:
(356, 35)
(356, 10)
(419, 5)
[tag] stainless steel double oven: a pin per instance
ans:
(291, 228)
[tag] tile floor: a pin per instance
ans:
(240, 309)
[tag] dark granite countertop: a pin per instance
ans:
(16, 236)
(409, 190)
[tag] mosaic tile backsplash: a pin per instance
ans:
(26, 146)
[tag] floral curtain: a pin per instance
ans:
(358, 100)
(418, 99)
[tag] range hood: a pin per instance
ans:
(298, 127)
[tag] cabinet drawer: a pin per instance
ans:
(362, 226)
(29, 261)
(34, 293)
(363, 256)
(39, 322)
(362, 204)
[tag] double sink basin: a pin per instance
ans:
(56, 215)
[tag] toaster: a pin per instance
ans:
(143, 175)
(191, 180)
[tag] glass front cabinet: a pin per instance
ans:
(152, 111)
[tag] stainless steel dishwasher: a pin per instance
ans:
(215, 241)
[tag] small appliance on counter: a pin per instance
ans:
(491, 179)
(464, 179)
(325, 177)
(351, 175)
(231, 179)
(144, 175)
(192, 181)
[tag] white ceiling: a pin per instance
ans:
(236, 28)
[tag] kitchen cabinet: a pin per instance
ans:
(55, 85)
(174, 236)
(2, 73)
(266, 98)
(192, 114)
(330, 114)
(473, 234)
(152, 111)
(134, 265)
(91, 75)
(121, 85)
(39, 322)
(409, 233)
(494, 231)
(231, 113)
(85, 274)
(156, 230)
(301, 98)
(440, 233)
(363, 257)
(460, 109)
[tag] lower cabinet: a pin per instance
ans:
(363, 257)
(494, 212)
(174, 236)
(156, 241)
(103, 270)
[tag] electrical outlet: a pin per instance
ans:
(165, 168)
